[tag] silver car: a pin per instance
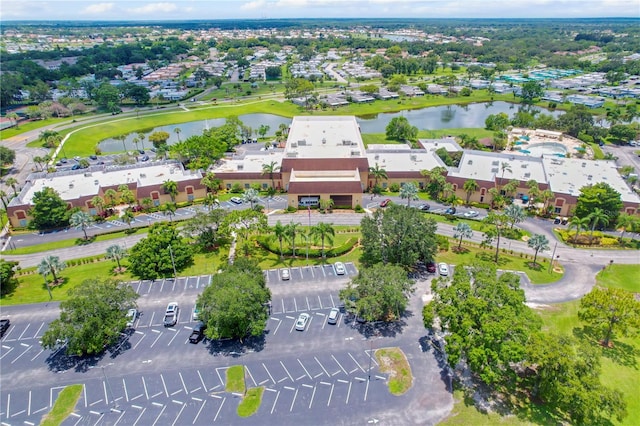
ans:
(302, 321)
(333, 316)
(340, 269)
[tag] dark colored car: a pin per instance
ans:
(93, 157)
(4, 326)
(450, 210)
(144, 158)
(431, 267)
(385, 203)
(197, 333)
(141, 151)
(424, 207)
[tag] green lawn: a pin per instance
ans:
(64, 405)
(464, 413)
(394, 362)
(621, 276)
(235, 379)
(251, 402)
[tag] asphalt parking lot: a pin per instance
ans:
(154, 376)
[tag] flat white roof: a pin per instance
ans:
(84, 183)
(324, 137)
(248, 163)
(568, 175)
(447, 143)
(404, 160)
(488, 165)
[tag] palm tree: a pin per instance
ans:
(116, 253)
(462, 230)
(280, 232)
(409, 191)
(177, 131)
(515, 213)
(51, 265)
(128, 217)
(470, 186)
(597, 216)
(122, 138)
(211, 201)
(378, 173)
(170, 187)
(506, 167)
(538, 242)
(12, 182)
(81, 220)
(323, 231)
(579, 223)
(251, 196)
(211, 182)
(142, 137)
(3, 199)
(625, 222)
(98, 203)
(534, 190)
(169, 209)
(136, 141)
(111, 195)
(291, 232)
(546, 196)
(270, 169)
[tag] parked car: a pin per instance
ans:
(196, 313)
(340, 268)
(424, 207)
(443, 269)
(302, 321)
(385, 203)
(450, 210)
(564, 221)
(557, 220)
(93, 157)
(4, 326)
(171, 314)
(197, 333)
(431, 267)
(132, 315)
(141, 151)
(236, 200)
(144, 158)
(284, 274)
(334, 313)
(75, 167)
(470, 214)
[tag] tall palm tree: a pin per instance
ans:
(177, 131)
(111, 196)
(409, 191)
(378, 173)
(579, 223)
(626, 222)
(211, 182)
(597, 216)
(538, 242)
(506, 167)
(170, 187)
(251, 196)
(169, 209)
(211, 201)
(270, 169)
(142, 137)
(12, 182)
(51, 265)
(116, 253)
(515, 213)
(462, 230)
(98, 203)
(470, 186)
(534, 190)
(323, 231)
(546, 196)
(292, 230)
(128, 217)
(280, 232)
(81, 220)
(3, 199)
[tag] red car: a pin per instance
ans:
(385, 203)
(431, 267)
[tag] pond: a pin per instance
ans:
(431, 118)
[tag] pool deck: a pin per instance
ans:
(538, 136)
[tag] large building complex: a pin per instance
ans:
(324, 158)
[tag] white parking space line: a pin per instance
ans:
(24, 331)
(308, 307)
(332, 302)
(373, 358)
(159, 415)
(287, 371)
(153, 314)
(199, 411)
(313, 394)
(164, 385)
(141, 413)
(320, 301)
(277, 326)
(357, 363)
(24, 352)
(144, 385)
(331, 393)
(322, 366)
(348, 393)
(119, 418)
(186, 392)
(294, 400)
(174, 336)
(295, 303)
(273, 407)
(270, 376)
(35, 336)
(159, 334)
(7, 352)
(366, 390)
(323, 321)
(179, 412)
(340, 365)
(283, 311)
(38, 354)
(250, 375)
(139, 341)
(126, 393)
(219, 408)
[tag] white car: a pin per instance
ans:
(340, 269)
(471, 213)
(196, 313)
(302, 321)
(132, 315)
(333, 316)
(284, 274)
(443, 269)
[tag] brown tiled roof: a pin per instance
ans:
(288, 164)
(324, 187)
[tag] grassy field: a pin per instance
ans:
(64, 405)
(251, 402)
(620, 367)
(394, 362)
(235, 379)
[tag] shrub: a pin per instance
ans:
(512, 234)
(443, 242)
(359, 208)
(394, 187)
(236, 188)
(272, 245)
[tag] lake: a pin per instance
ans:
(431, 118)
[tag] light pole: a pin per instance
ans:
(110, 393)
(370, 355)
(173, 262)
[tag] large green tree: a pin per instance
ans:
(151, 258)
(379, 292)
(400, 129)
(530, 91)
(49, 210)
(8, 282)
(398, 234)
(234, 305)
(608, 310)
(204, 227)
(600, 195)
(92, 318)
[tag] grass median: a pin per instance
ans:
(394, 362)
(64, 405)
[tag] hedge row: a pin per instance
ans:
(272, 245)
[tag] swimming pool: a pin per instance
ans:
(545, 148)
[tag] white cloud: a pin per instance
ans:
(253, 5)
(154, 8)
(97, 8)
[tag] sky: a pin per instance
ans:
(136, 10)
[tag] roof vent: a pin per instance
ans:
(143, 175)
(584, 164)
(470, 162)
(95, 182)
(495, 163)
(355, 153)
(413, 157)
(302, 142)
(494, 170)
(71, 185)
(589, 177)
(240, 166)
(324, 140)
(294, 144)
